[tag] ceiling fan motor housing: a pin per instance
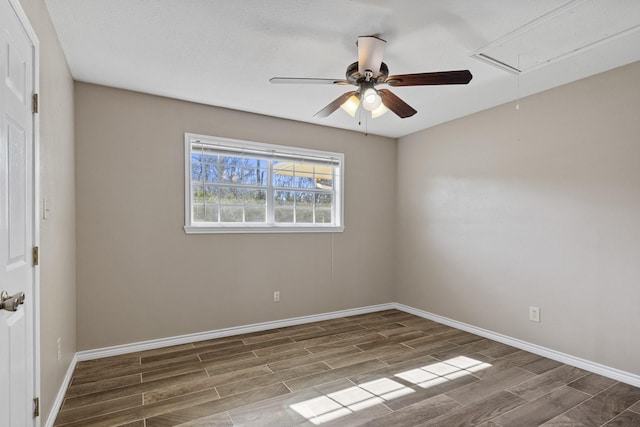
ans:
(355, 78)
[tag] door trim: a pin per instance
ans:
(34, 214)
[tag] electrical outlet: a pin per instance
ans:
(534, 313)
(59, 349)
(276, 296)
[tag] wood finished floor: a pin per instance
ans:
(387, 368)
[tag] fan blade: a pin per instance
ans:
(370, 51)
(297, 80)
(460, 77)
(334, 105)
(395, 104)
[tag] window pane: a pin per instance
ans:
(324, 182)
(304, 215)
(324, 200)
(210, 172)
(304, 182)
(197, 193)
(196, 171)
(255, 214)
(255, 197)
(304, 199)
(284, 198)
(231, 169)
(252, 163)
(323, 216)
(231, 214)
(254, 176)
(211, 213)
(211, 194)
(198, 213)
(283, 214)
(230, 196)
(209, 158)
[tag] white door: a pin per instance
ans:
(16, 220)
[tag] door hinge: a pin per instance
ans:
(34, 103)
(36, 407)
(36, 255)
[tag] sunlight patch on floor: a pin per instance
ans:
(332, 406)
(441, 372)
(344, 402)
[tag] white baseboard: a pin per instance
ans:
(219, 333)
(587, 365)
(57, 404)
(597, 368)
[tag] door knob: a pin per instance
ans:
(11, 303)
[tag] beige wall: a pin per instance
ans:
(140, 277)
(541, 206)
(57, 234)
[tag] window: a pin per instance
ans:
(236, 186)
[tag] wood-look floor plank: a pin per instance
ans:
(376, 353)
(547, 382)
(130, 370)
(281, 410)
(547, 407)
(489, 385)
(281, 365)
(333, 374)
(282, 334)
(145, 411)
(98, 409)
(214, 347)
(592, 383)
(383, 368)
(353, 340)
(563, 421)
(423, 392)
(105, 363)
(419, 352)
(397, 339)
(139, 388)
(224, 404)
(102, 385)
(625, 419)
(297, 345)
(541, 365)
(605, 405)
(218, 420)
(272, 378)
(415, 414)
(139, 423)
(210, 382)
(479, 411)
(208, 355)
(401, 329)
(498, 350)
(326, 332)
(511, 360)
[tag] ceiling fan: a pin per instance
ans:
(369, 72)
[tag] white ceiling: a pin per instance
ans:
(223, 52)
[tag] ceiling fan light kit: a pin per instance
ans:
(370, 99)
(370, 71)
(350, 106)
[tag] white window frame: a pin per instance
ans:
(235, 146)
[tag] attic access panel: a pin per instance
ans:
(565, 31)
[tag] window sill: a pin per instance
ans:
(193, 229)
